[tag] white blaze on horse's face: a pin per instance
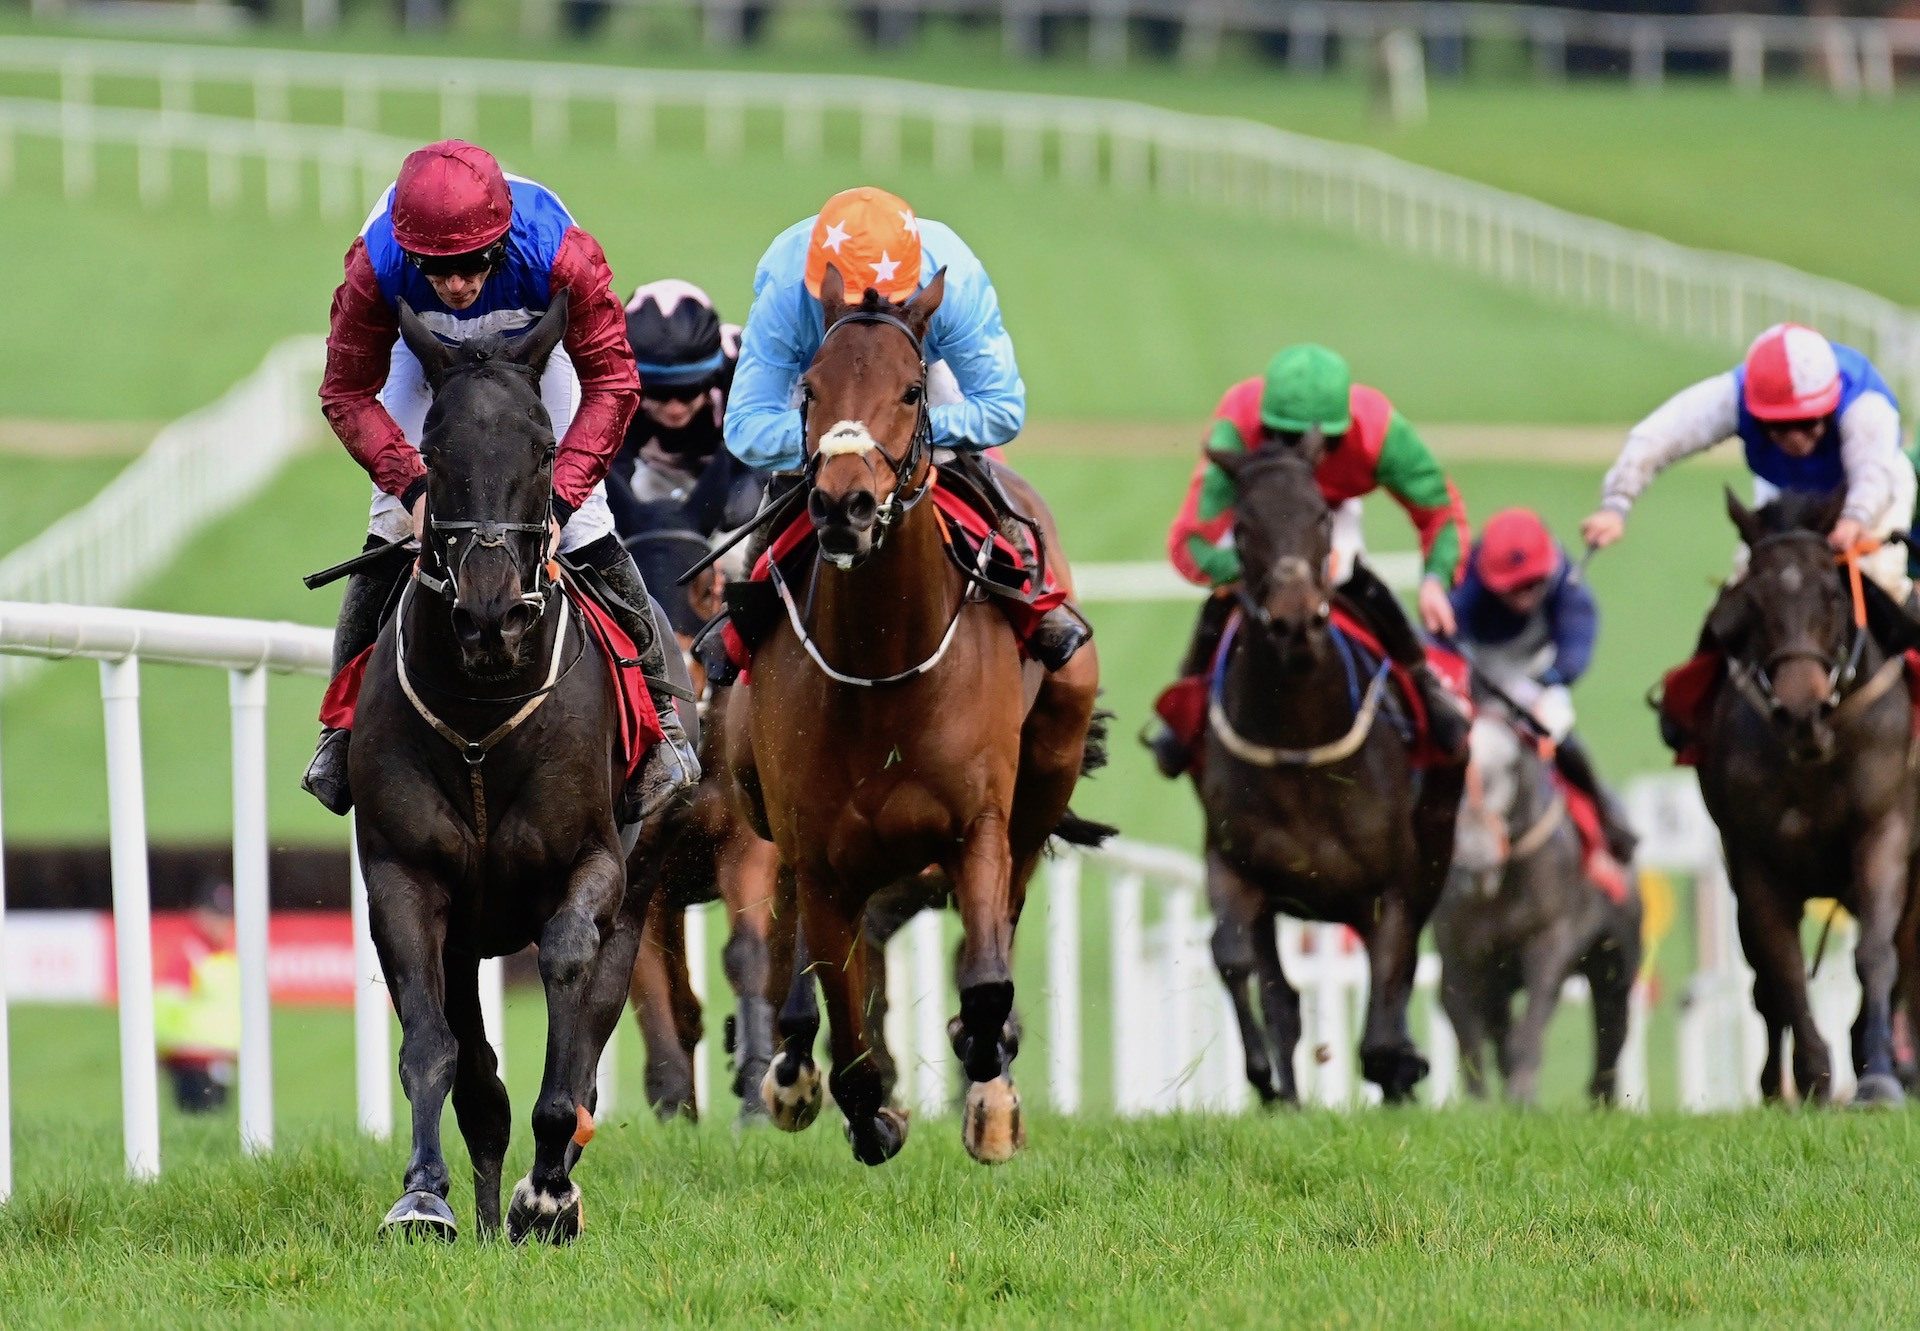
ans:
(848, 439)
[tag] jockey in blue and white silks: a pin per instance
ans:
(875, 241)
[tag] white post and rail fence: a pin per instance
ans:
(1123, 147)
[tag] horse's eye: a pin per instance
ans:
(806, 391)
(912, 396)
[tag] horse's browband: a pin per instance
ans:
(886, 317)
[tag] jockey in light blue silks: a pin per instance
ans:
(1811, 416)
(977, 400)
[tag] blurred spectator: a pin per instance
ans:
(196, 1006)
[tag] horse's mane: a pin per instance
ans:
(1794, 510)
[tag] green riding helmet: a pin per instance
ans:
(1308, 387)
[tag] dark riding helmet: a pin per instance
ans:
(676, 339)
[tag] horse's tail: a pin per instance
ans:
(1094, 756)
(1085, 832)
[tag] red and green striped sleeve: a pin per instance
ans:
(1207, 516)
(1413, 476)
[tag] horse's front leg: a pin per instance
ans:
(1770, 936)
(831, 919)
(407, 913)
(1880, 898)
(745, 879)
(1236, 911)
(992, 1127)
(1544, 962)
(1387, 1054)
(792, 1088)
(669, 1073)
(479, 1097)
(546, 1202)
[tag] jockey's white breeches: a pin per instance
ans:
(407, 397)
(1349, 541)
(1887, 565)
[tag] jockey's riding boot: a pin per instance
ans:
(1061, 632)
(1448, 721)
(671, 766)
(1170, 756)
(366, 597)
(712, 651)
(1571, 757)
(1209, 627)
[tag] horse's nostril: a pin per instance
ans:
(465, 626)
(817, 508)
(516, 621)
(860, 508)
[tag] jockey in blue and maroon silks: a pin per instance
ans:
(474, 251)
(1528, 622)
(976, 398)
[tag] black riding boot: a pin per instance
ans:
(1170, 756)
(1063, 630)
(1574, 764)
(752, 607)
(1447, 721)
(670, 766)
(360, 609)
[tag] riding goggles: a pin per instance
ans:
(460, 265)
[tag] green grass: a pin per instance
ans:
(1122, 310)
(1403, 1219)
(1697, 162)
(37, 492)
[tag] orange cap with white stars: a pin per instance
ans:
(873, 238)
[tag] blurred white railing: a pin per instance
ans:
(197, 468)
(1126, 147)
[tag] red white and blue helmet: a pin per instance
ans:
(1792, 375)
(450, 198)
(1515, 549)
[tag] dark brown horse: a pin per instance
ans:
(1313, 805)
(485, 764)
(1807, 765)
(891, 725)
(1520, 915)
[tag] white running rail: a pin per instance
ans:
(198, 468)
(1126, 147)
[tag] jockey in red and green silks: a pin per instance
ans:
(1370, 446)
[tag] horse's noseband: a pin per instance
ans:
(463, 536)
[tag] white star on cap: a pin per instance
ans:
(910, 223)
(836, 237)
(885, 269)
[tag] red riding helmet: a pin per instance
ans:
(1515, 549)
(450, 198)
(1792, 375)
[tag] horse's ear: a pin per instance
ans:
(1744, 518)
(533, 349)
(1828, 514)
(920, 308)
(1730, 618)
(1229, 460)
(1312, 447)
(833, 295)
(434, 357)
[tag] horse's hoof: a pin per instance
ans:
(882, 1139)
(420, 1215)
(992, 1127)
(535, 1214)
(792, 1107)
(1395, 1071)
(1879, 1091)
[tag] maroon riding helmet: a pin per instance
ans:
(450, 198)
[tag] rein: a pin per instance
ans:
(1269, 755)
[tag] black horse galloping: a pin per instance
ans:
(1313, 809)
(1807, 763)
(485, 760)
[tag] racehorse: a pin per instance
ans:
(1520, 913)
(1807, 765)
(485, 759)
(1313, 806)
(890, 725)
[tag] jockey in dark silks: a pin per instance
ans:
(474, 252)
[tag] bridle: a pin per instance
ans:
(919, 455)
(1754, 679)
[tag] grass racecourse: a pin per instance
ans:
(1134, 314)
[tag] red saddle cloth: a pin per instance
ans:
(1687, 691)
(639, 723)
(1596, 861)
(1183, 703)
(964, 528)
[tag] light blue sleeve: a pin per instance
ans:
(762, 425)
(969, 335)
